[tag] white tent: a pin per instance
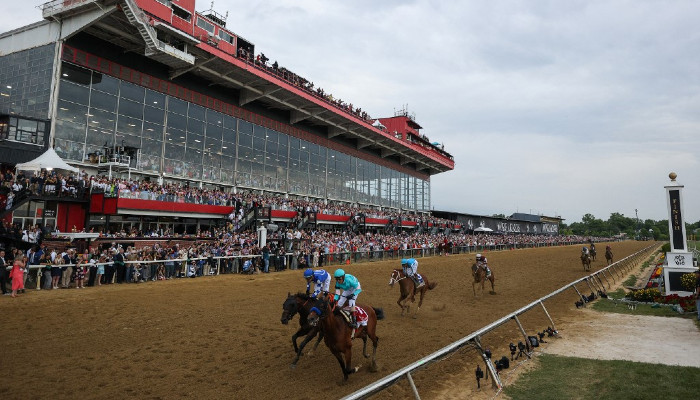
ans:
(48, 160)
(483, 229)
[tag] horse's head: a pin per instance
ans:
(289, 308)
(320, 310)
(395, 277)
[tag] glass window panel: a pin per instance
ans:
(229, 136)
(259, 144)
(215, 117)
(71, 112)
(195, 141)
(69, 150)
(152, 131)
(195, 126)
(152, 147)
(153, 114)
(95, 136)
(128, 140)
(177, 121)
(103, 101)
(245, 140)
(150, 162)
(103, 120)
(245, 127)
(105, 83)
(75, 74)
(196, 112)
(70, 131)
(131, 109)
(131, 92)
(130, 126)
(74, 93)
(214, 132)
(175, 136)
(177, 106)
(230, 122)
(155, 99)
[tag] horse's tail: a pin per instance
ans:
(379, 312)
(432, 285)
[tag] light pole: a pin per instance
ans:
(636, 231)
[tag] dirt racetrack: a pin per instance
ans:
(221, 337)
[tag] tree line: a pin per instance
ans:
(631, 228)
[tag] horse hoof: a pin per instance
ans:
(415, 316)
(292, 366)
(373, 368)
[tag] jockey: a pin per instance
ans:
(410, 269)
(592, 247)
(584, 250)
(347, 287)
(483, 263)
(320, 279)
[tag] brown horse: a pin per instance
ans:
(408, 290)
(609, 255)
(586, 261)
(479, 274)
(300, 303)
(338, 334)
(593, 252)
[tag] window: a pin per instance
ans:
(223, 35)
(206, 25)
(25, 130)
(181, 12)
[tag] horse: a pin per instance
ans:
(586, 261)
(609, 254)
(300, 303)
(408, 290)
(445, 248)
(593, 252)
(479, 274)
(338, 334)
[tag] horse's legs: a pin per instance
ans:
(306, 340)
(364, 346)
(403, 307)
(493, 280)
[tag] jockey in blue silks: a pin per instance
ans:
(410, 269)
(320, 279)
(347, 287)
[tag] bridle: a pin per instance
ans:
(396, 277)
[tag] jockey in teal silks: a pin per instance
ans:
(347, 287)
(410, 269)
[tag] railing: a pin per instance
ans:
(55, 6)
(593, 281)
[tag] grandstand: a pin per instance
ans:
(154, 90)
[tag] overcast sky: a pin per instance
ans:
(551, 107)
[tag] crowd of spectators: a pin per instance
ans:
(262, 61)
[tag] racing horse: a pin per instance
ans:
(444, 248)
(479, 274)
(586, 261)
(609, 254)
(338, 334)
(593, 252)
(300, 303)
(408, 290)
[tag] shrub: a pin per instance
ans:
(645, 295)
(688, 282)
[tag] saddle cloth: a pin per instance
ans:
(360, 316)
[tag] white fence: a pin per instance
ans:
(614, 271)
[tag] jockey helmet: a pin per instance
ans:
(584, 248)
(478, 256)
(308, 273)
(339, 273)
(404, 261)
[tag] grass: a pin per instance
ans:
(631, 280)
(560, 377)
(605, 305)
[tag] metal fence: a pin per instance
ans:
(594, 282)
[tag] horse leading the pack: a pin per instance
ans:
(320, 279)
(410, 269)
(301, 304)
(482, 273)
(347, 287)
(409, 290)
(338, 334)
(586, 259)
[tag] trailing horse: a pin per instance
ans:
(408, 290)
(609, 254)
(300, 303)
(338, 334)
(593, 253)
(586, 261)
(479, 274)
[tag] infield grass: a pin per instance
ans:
(559, 377)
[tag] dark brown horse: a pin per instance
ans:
(408, 290)
(300, 303)
(479, 274)
(338, 334)
(586, 261)
(609, 254)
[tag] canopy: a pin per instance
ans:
(483, 229)
(48, 160)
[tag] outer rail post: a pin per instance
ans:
(589, 285)
(548, 316)
(517, 321)
(413, 386)
(606, 280)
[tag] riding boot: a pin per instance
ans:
(419, 282)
